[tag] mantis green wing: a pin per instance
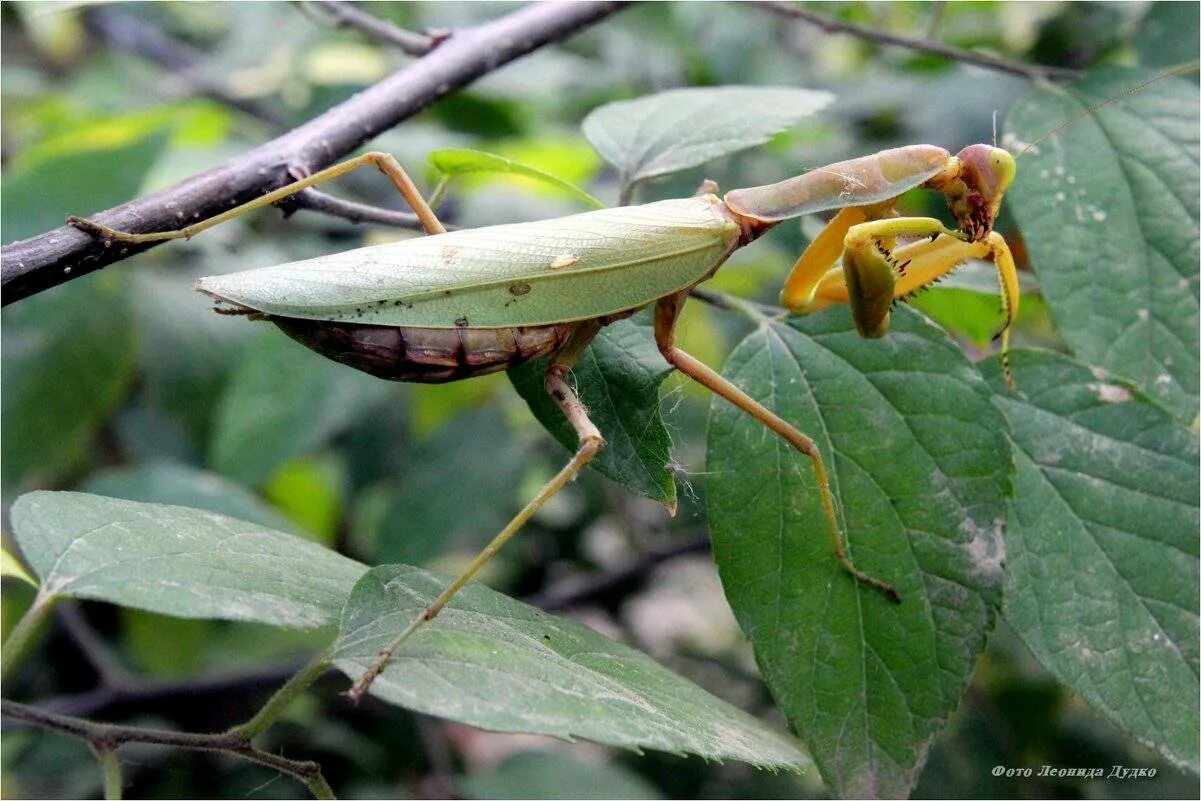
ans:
(527, 274)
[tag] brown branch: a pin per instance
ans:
(346, 15)
(831, 25)
(315, 200)
(52, 258)
(107, 737)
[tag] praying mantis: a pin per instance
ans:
(453, 305)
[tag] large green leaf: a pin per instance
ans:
(618, 380)
(68, 358)
(682, 128)
(1102, 563)
(285, 401)
(920, 466)
(1109, 211)
(493, 662)
(178, 561)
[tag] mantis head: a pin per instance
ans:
(985, 174)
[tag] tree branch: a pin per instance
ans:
(831, 25)
(346, 15)
(52, 258)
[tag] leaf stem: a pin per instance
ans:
(439, 192)
(625, 191)
(19, 639)
(279, 701)
(110, 766)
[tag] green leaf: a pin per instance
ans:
(1109, 211)
(682, 128)
(492, 662)
(181, 485)
(285, 401)
(68, 358)
(11, 566)
(618, 379)
(919, 464)
(1102, 563)
(178, 561)
(1167, 35)
(550, 775)
(456, 162)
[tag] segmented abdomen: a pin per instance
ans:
(425, 355)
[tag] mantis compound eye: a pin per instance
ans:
(986, 173)
(988, 170)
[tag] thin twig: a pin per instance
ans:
(108, 737)
(182, 60)
(831, 25)
(588, 589)
(758, 312)
(97, 652)
(316, 200)
(146, 691)
(346, 15)
(65, 253)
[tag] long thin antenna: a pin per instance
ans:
(1187, 68)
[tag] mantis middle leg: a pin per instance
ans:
(590, 444)
(667, 312)
(385, 162)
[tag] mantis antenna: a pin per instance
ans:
(1182, 70)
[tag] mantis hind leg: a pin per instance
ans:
(590, 444)
(385, 162)
(666, 313)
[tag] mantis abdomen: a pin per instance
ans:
(426, 355)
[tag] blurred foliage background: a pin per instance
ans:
(124, 383)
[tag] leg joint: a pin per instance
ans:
(591, 445)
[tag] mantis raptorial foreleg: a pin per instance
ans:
(385, 162)
(590, 444)
(875, 270)
(667, 312)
